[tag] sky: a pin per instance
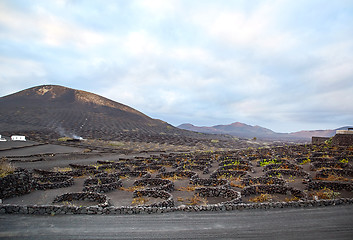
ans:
(281, 64)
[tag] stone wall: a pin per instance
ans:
(275, 172)
(339, 172)
(156, 184)
(271, 189)
(282, 166)
(343, 139)
(210, 182)
(102, 184)
(84, 196)
(262, 180)
(186, 174)
(168, 198)
(317, 185)
(52, 182)
(230, 173)
(16, 184)
(319, 140)
(59, 210)
(232, 195)
(331, 164)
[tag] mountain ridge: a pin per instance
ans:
(247, 131)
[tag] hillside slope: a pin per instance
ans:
(70, 112)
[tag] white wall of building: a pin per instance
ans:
(18, 138)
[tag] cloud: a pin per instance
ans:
(281, 64)
(18, 74)
(256, 30)
(42, 26)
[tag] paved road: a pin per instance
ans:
(316, 223)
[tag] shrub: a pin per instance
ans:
(197, 200)
(5, 168)
(262, 198)
(325, 193)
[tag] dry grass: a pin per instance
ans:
(62, 169)
(139, 201)
(175, 177)
(325, 193)
(188, 188)
(229, 177)
(333, 177)
(292, 199)
(262, 198)
(5, 168)
(110, 170)
(197, 200)
(152, 171)
(132, 189)
(234, 184)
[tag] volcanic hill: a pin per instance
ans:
(56, 111)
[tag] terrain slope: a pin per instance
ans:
(60, 111)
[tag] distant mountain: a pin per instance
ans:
(318, 133)
(247, 131)
(62, 111)
(236, 129)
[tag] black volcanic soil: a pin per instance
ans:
(181, 194)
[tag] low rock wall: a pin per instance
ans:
(168, 198)
(262, 180)
(156, 184)
(133, 173)
(84, 196)
(210, 182)
(282, 166)
(317, 185)
(186, 174)
(232, 195)
(72, 173)
(239, 167)
(111, 166)
(102, 184)
(339, 172)
(60, 210)
(275, 172)
(228, 173)
(16, 184)
(234, 162)
(53, 182)
(271, 189)
(317, 165)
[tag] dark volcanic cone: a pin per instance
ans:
(61, 111)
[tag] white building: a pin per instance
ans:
(18, 138)
(349, 131)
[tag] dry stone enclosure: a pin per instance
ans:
(277, 177)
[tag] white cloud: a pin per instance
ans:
(157, 9)
(140, 44)
(258, 30)
(20, 68)
(45, 27)
(17, 74)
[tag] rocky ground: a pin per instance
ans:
(114, 169)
